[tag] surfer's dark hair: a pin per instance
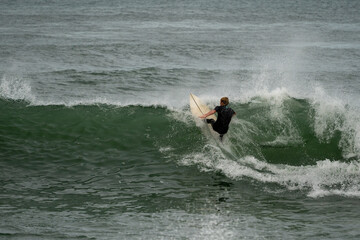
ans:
(224, 100)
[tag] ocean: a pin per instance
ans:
(97, 140)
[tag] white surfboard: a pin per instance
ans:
(198, 108)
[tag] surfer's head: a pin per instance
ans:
(224, 101)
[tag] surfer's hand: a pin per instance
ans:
(208, 114)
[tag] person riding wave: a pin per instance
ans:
(225, 114)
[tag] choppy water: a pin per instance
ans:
(97, 140)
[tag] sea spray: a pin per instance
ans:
(16, 88)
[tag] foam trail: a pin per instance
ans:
(325, 178)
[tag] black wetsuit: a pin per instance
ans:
(221, 125)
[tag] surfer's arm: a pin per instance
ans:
(208, 114)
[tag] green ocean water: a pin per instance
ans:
(97, 140)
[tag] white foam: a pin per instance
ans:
(16, 88)
(331, 116)
(325, 178)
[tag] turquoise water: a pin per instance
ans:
(97, 140)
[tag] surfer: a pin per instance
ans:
(225, 113)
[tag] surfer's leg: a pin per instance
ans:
(221, 137)
(211, 121)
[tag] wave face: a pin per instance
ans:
(298, 144)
